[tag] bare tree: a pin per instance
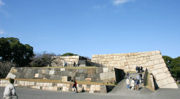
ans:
(5, 68)
(41, 60)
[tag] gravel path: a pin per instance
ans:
(25, 93)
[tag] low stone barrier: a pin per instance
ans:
(90, 87)
(91, 74)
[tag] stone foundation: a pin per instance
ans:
(55, 86)
(89, 74)
(89, 79)
(153, 61)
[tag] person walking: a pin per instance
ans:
(127, 83)
(75, 86)
(9, 91)
(132, 84)
(137, 84)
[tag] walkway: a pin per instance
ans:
(25, 93)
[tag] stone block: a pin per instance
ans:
(97, 87)
(165, 70)
(60, 84)
(39, 84)
(171, 85)
(162, 83)
(80, 70)
(45, 71)
(160, 76)
(107, 75)
(88, 79)
(4, 83)
(65, 88)
(105, 70)
(62, 69)
(103, 89)
(162, 65)
(51, 72)
(13, 70)
(92, 87)
(36, 75)
(10, 75)
(64, 78)
(152, 83)
(157, 71)
(36, 87)
(50, 88)
(48, 84)
(170, 80)
(91, 91)
(77, 78)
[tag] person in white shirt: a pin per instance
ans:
(132, 84)
(128, 83)
(9, 90)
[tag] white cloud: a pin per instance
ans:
(118, 2)
(1, 32)
(1, 3)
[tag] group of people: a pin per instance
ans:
(139, 69)
(133, 83)
(74, 64)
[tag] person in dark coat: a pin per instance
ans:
(136, 69)
(75, 86)
(141, 69)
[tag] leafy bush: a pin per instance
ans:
(173, 65)
(69, 54)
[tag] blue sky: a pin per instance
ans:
(88, 27)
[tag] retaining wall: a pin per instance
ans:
(56, 85)
(91, 79)
(153, 61)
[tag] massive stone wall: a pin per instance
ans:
(89, 79)
(153, 61)
(91, 74)
(56, 86)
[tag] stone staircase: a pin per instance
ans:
(120, 88)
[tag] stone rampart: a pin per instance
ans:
(90, 79)
(92, 74)
(56, 85)
(153, 61)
